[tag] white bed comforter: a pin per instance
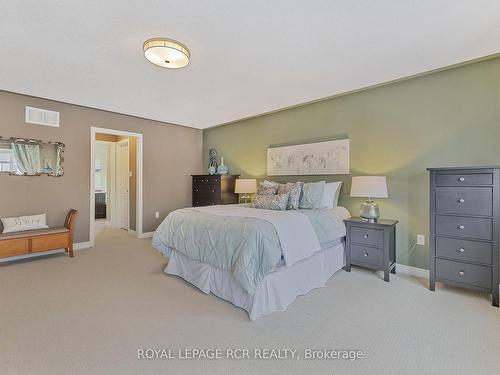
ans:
(296, 234)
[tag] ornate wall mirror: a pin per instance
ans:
(31, 157)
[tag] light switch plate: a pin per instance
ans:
(157, 215)
(420, 239)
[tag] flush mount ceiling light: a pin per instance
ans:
(167, 53)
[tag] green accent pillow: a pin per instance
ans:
(312, 196)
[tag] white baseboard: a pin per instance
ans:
(412, 271)
(76, 246)
(81, 245)
(147, 235)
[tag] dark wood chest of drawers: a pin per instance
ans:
(464, 228)
(214, 189)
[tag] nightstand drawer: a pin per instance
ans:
(464, 273)
(368, 255)
(464, 250)
(464, 200)
(465, 179)
(367, 236)
(469, 227)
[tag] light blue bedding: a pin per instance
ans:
(248, 247)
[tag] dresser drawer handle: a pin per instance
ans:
(216, 180)
(213, 190)
(365, 236)
(365, 254)
(197, 190)
(462, 250)
(461, 273)
(461, 179)
(461, 227)
(461, 200)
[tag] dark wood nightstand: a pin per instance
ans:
(371, 245)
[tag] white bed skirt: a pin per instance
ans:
(275, 293)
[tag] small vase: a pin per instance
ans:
(211, 170)
(222, 169)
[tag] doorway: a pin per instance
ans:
(116, 181)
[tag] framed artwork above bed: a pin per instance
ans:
(319, 158)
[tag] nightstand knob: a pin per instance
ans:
(461, 273)
(365, 254)
(461, 179)
(462, 250)
(461, 227)
(461, 200)
(365, 236)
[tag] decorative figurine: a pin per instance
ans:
(212, 164)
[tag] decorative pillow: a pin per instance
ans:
(271, 202)
(295, 191)
(21, 223)
(331, 194)
(312, 195)
(268, 188)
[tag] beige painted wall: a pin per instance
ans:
(171, 154)
(449, 118)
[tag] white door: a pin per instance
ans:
(122, 183)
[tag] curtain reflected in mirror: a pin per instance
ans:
(31, 157)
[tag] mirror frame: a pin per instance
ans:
(59, 146)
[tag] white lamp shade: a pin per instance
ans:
(369, 187)
(246, 186)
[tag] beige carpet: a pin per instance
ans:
(90, 315)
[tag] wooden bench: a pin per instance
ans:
(36, 241)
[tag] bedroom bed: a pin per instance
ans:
(259, 260)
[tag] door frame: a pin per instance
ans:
(139, 178)
(112, 182)
(118, 192)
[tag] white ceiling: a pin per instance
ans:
(247, 57)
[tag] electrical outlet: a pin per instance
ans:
(157, 215)
(420, 239)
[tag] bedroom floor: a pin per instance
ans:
(90, 315)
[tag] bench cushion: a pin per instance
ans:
(32, 233)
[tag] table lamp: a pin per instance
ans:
(369, 187)
(245, 187)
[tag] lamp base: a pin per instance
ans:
(369, 211)
(245, 198)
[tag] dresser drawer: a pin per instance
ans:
(465, 200)
(465, 273)
(464, 250)
(465, 179)
(207, 180)
(367, 255)
(18, 246)
(469, 227)
(367, 236)
(206, 190)
(205, 202)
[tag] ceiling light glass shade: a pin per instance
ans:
(167, 53)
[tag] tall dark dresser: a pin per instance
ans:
(214, 189)
(464, 228)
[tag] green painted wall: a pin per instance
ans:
(448, 118)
